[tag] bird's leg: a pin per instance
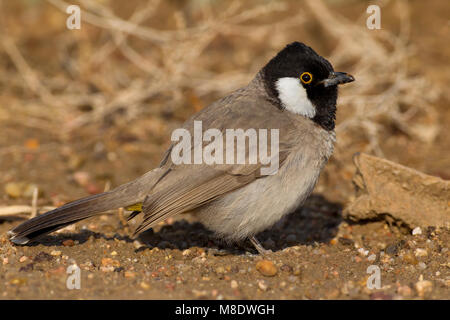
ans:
(258, 246)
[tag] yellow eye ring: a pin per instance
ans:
(306, 77)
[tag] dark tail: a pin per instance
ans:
(124, 195)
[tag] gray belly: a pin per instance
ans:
(260, 204)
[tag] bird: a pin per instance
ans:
(296, 94)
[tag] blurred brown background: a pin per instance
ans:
(81, 109)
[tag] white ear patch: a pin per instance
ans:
(293, 97)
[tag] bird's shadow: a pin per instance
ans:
(316, 221)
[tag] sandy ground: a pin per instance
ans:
(315, 256)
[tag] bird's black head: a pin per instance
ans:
(305, 83)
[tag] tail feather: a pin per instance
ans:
(75, 211)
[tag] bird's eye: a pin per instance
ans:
(306, 77)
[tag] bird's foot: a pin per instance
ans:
(259, 247)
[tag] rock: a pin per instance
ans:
(29, 267)
(387, 190)
(55, 253)
(42, 256)
(363, 251)
(200, 293)
(68, 243)
(393, 249)
(420, 252)
(422, 265)
(424, 287)
(137, 244)
(18, 281)
(106, 262)
(220, 270)
(263, 285)
(346, 242)
(372, 257)
(144, 285)
(286, 268)
(266, 268)
(417, 231)
(107, 268)
(14, 189)
(409, 258)
(82, 178)
(234, 284)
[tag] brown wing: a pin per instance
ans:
(188, 186)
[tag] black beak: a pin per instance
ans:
(336, 78)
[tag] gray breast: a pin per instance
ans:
(260, 204)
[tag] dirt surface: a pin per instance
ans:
(313, 258)
(316, 254)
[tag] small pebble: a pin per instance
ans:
(107, 268)
(421, 252)
(345, 241)
(106, 262)
(234, 284)
(220, 270)
(137, 244)
(14, 189)
(363, 252)
(286, 268)
(262, 285)
(409, 258)
(416, 231)
(423, 287)
(422, 265)
(114, 253)
(129, 274)
(266, 268)
(200, 293)
(42, 256)
(18, 281)
(145, 285)
(23, 259)
(82, 178)
(372, 257)
(55, 253)
(68, 243)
